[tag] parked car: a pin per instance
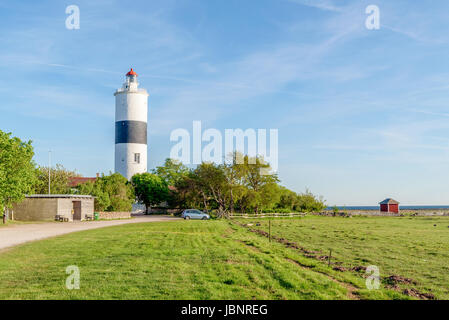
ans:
(194, 214)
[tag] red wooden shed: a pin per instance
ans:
(389, 205)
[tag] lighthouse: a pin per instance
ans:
(131, 114)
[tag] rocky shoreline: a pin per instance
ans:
(415, 212)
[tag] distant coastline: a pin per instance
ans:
(377, 208)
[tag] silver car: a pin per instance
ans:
(194, 214)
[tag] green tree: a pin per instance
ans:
(112, 192)
(245, 184)
(16, 170)
(177, 177)
(59, 178)
(257, 178)
(119, 190)
(172, 171)
(308, 202)
(102, 200)
(234, 174)
(287, 199)
(269, 196)
(150, 189)
(212, 185)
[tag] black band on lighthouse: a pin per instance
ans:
(131, 132)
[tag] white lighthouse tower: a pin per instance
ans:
(131, 114)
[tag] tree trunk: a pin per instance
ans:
(204, 201)
(232, 202)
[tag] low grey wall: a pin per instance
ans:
(114, 215)
(40, 209)
(34, 209)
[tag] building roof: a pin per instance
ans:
(389, 201)
(41, 196)
(131, 73)
(76, 181)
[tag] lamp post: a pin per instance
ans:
(49, 171)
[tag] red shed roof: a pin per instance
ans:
(131, 73)
(389, 201)
(76, 181)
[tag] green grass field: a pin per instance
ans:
(223, 260)
(416, 248)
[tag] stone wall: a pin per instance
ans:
(114, 215)
(164, 210)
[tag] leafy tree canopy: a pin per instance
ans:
(246, 185)
(172, 171)
(112, 192)
(16, 169)
(150, 189)
(59, 178)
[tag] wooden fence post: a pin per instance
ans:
(269, 230)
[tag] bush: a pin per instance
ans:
(307, 202)
(112, 193)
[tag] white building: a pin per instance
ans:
(131, 114)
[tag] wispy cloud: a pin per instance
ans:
(318, 4)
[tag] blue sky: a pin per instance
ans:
(362, 114)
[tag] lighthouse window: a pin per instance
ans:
(137, 157)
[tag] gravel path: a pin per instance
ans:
(17, 234)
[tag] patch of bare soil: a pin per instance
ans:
(415, 293)
(340, 268)
(355, 269)
(391, 282)
(395, 279)
(358, 269)
(351, 290)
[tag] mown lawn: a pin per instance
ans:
(412, 247)
(174, 260)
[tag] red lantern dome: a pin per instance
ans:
(131, 73)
